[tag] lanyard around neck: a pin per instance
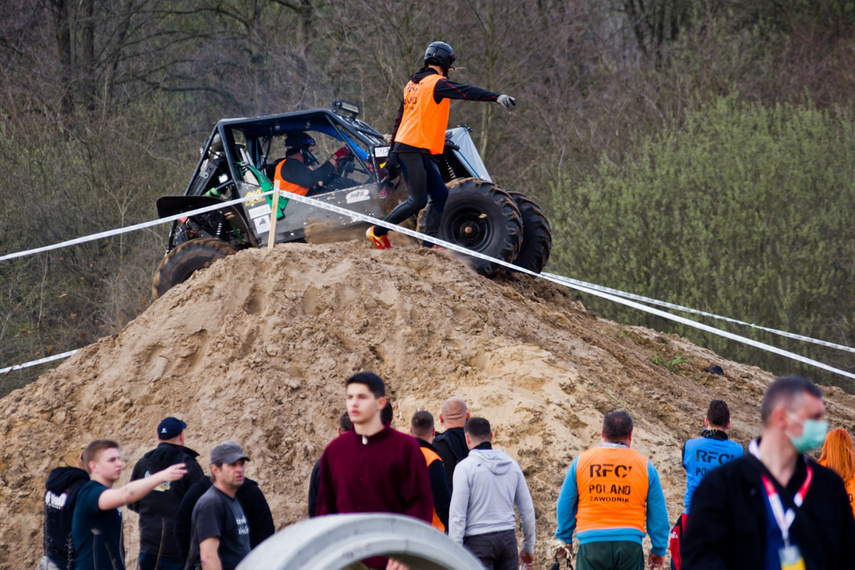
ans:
(783, 518)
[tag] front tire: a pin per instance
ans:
(481, 217)
(189, 257)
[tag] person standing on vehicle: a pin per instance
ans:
(774, 507)
(451, 444)
(610, 495)
(700, 456)
(294, 173)
(419, 135)
(61, 490)
(157, 509)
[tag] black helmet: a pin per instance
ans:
(439, 53)
(301, 141)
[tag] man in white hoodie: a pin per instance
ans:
(487, 485)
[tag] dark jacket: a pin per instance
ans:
(296, 172)
(251, 500)
(439, 487)
(314, 481)
(61, 489)
(727, 527)
(451, 447)
(157, 509)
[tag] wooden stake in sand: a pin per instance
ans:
(272, 233)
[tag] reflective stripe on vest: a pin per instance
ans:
(612, 487)
(284, 184)
(430, 457)
(423, 122)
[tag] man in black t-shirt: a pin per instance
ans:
(220, 533)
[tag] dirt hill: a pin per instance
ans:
(257, 348)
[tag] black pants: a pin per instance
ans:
(495, 550)
(423, 179)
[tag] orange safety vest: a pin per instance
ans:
(284, 184)
(423, 122)
(430, 457)
(612, 484)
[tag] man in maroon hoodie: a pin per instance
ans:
(373, 468)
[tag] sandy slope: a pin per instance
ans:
(257, 347)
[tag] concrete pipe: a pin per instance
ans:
(334, 542)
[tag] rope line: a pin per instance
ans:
(614, 295)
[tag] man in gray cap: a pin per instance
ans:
(158, 548)
(220, 533)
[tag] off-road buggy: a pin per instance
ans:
(239, 158)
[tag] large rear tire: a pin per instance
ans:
(537, 235)
(189, 257)
(481, 217)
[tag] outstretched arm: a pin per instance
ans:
(136, 490)
(445, 89)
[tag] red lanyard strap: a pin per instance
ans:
(785, 518)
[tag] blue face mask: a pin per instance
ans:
(813, 435)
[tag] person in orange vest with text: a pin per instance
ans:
(610, 495)
(419, 136)
(422, 428)
(294, 173)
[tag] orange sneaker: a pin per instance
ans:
(380, 242)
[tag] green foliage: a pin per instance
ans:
(745, 211)
(673, 363)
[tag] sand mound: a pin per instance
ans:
(257, 347)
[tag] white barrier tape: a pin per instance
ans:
(37, 362)
(581, 286)
(668, 305)
(143, 225)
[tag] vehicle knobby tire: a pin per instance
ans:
(537, 235)
(191, 256)
(481, 217)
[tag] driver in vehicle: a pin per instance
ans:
(294, 172)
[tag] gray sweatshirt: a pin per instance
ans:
(487, 485)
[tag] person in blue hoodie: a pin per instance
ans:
(487, 485)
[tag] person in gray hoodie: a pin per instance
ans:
(487, 485)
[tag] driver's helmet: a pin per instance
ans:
(302, 141)
(439, 53)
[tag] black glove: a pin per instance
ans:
(392, 166)
(506, 101)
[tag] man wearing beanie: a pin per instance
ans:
(158, 548)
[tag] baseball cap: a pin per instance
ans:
(170, 427)
(227, 452)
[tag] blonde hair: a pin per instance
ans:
(838, 453)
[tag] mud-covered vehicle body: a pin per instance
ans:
(239, 158)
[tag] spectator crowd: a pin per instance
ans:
(772, 507)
